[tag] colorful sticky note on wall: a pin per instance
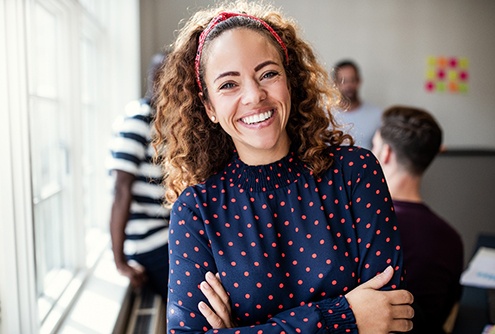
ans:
(446, 74)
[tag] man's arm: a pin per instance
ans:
(118, 221)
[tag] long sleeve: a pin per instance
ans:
(191, 258)
(287, 245)
(373, 216)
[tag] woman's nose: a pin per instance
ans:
(253, 92)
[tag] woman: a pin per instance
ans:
(264, 195)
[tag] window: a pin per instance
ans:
(51, 166)
(58, 98)
(94, 192)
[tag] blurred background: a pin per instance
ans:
(68, 68)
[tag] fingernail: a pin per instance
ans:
(209, 275)
(388, 269)
(205, 285)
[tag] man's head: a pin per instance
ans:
(347, 79)
(412, 135)
(154, 66)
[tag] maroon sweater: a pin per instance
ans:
(433, 261)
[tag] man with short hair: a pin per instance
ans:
(406, 143)
(359, 118)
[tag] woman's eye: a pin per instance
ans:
(269, 75)
(227, 85)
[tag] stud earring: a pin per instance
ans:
(213, 118)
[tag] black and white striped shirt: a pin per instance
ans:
(132, 152)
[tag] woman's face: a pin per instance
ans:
(248, 94)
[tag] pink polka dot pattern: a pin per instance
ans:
(287, 245)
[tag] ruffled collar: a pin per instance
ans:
(268, 177)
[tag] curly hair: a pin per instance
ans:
(191, 148)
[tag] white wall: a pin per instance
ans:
(390, 40)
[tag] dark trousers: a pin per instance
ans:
(155, 263)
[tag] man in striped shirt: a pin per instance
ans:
(139, 220)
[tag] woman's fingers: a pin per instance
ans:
(379, 280)
(216, 285)
(213, 319)
(218, 314)
(378, 311)
(400, 297)
(401, 325)
(402, 312)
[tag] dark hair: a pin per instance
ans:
(154, 66)
(345, 63)
(413, 134)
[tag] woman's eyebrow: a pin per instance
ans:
(226, 74)
(256, 69)
(265, 63)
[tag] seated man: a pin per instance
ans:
(405, 144)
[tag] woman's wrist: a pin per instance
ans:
(337, 314)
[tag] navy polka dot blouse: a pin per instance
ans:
(287, 245)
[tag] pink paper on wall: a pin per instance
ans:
(447, 74)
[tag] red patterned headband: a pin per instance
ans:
(220, 18)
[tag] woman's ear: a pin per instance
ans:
(208, 107)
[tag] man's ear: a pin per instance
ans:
(386, 153)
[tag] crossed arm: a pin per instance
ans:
(375, 311)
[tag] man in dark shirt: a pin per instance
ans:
(406, 144)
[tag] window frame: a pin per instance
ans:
(66, 101)
(18, 295)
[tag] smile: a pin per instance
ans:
(258, 118)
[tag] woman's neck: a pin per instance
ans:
(257, 157)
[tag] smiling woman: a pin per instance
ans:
(284, 228)
(248, 94)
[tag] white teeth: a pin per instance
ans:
(258, 118)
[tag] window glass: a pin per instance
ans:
(46, 46)
(93, 167)
(62, 83)
(49, 162)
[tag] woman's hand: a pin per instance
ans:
(381, 311)
(220, 313)
(375, 311)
